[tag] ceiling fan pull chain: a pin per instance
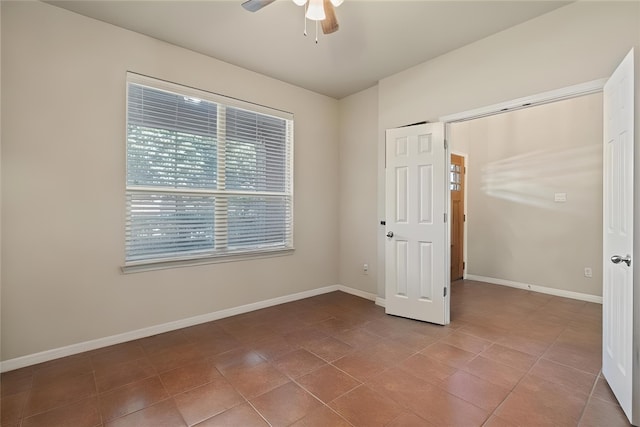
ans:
(316, 32)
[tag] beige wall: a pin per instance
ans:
(358, 189)
(580, 42)
(517, 161)
(63, 180)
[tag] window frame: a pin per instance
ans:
(213, 255)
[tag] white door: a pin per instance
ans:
(416, 270)
(617, 310)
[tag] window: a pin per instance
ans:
(454, 181)
(207, 176)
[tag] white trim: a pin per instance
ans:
(184, 90)
(44, 356)
(163, 264)
(357, 292)
(381, 302)
(586, 88)
(537, 288)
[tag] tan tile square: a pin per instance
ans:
(285, 404)
(273, 347)
(586, 358)
(603, 392)
(217, 344)
(203, 402)
(426, 400)
(81, 414)
(297, 363)
(495, 421)
(115, 355)
(475, 390)
(302, 337)
(364, 407)
(175, 357)
(542, 403)
(510, 357)
(239, 416)
(360, 365)
(409, 419)
(448, 354)
(14, 382)
(322, 417)
(237, 359)
(162, 414)
(256, 380)
(466, 342)
(389, 351)
(189, 376)
(572, 379)
(329, 349)
(426, 368)
(117, 375)
(494, 372)
(328, 383)
(59, 392)
(357, 338)
(599, 413)
(414, 341)
(61, 369)
(11, 408)
(131, 398)
(163, 342)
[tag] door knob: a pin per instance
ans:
(617, 259)
(390, 234)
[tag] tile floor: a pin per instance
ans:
(509, 358)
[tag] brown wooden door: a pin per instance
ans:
(457, 216)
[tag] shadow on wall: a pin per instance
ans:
(535, 178)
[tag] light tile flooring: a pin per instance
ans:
(509, 358)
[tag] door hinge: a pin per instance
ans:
(446, 145)
(445, 217)
(463, 265)
(445, 291)
(464, 217)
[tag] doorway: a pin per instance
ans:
(457, 171)
(534, 194)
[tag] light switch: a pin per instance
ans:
(560, 197)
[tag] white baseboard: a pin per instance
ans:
(44, 356)
(536, 288)
(381, 302)
(357, 292)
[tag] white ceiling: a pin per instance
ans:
(376, 38)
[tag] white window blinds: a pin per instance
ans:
(207, 176)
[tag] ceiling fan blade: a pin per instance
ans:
(330, 23)
(256, 5)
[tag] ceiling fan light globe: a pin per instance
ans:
(336, 3)
(300, 2)
(315, 11)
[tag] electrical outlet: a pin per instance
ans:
(588, 272)
(365, 269)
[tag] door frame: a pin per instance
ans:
(568, 92)
(465, 156)
(595, 86)
(587, 88)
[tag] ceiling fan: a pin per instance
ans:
(322, 11)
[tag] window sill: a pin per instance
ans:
(142, 266)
